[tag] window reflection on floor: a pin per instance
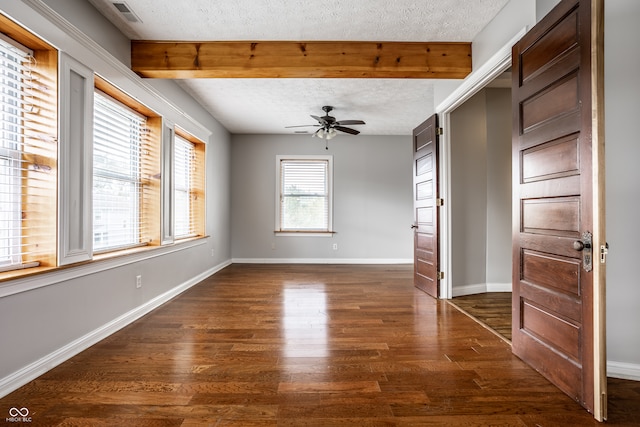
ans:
(305, 320)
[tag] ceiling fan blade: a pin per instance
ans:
(319, 119)
(350, 122)
(301, 126)
(347, 130)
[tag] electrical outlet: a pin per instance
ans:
(138, 281)
(335, 246)
(212, 252)
(273, 245)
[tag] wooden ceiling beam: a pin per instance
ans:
(312, 59)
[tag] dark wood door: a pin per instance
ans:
(557, 201)
(425, 197)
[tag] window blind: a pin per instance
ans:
(118, 162)
(184, 160)
(27, 160)
(304, 195)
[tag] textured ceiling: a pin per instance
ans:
(389, 106)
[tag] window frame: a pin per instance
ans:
(35, 156)
(196, 192)
(279, 194)
(150, 178)
(130, 178)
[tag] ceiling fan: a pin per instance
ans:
(329, 125)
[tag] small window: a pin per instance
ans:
(188, 167)
(183, 157)
(304, 194)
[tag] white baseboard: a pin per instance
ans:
(322, 260)
(32, 371)
(625, 371)
(480, 288)
(499, 287)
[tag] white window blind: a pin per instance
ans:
(117, 170)
(27, 178)
(184, 158)
(304, 195)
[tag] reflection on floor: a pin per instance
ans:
(492, 309)
(305, 345)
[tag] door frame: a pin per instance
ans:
(476, 81)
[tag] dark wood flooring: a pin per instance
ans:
(295, 345)
(491, 308)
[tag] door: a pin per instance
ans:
(558, 280)
(425, 198)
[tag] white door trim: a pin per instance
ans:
(474, 82)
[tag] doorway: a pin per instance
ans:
(480, 202)
(493, 75)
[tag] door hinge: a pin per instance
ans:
(604, 250)
(439, 131)
(439, 202)
(440, 275)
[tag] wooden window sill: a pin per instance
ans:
(99, 262)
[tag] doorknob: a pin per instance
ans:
(584, 245)
(578, 245)
(414, 226)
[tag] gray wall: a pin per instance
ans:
(481, 193)
(469, 193)
(372, 199)
(37, 323)
(86, 18)
(514, 16)
(498, 186)
(622, 106)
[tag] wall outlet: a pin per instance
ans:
(273, 245)
(335, 246)
(138, 281)
(212, 252)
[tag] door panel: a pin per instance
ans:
(554, 199)
(425, 194)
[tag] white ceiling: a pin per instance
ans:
(266, 106)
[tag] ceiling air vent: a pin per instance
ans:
(126, 11)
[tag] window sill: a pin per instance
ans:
(17, 281)
(18, 267)
(305, 233)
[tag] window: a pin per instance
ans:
(117, 144)
(38, 189)
(188, 158)
(27, 157)
(304, 194)
(126, 171)
(183, 157)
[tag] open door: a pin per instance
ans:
(558, 272)
(425, 204)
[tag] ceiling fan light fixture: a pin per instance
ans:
(328, 126)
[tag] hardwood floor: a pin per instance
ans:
(296, 345)
(491, 308)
